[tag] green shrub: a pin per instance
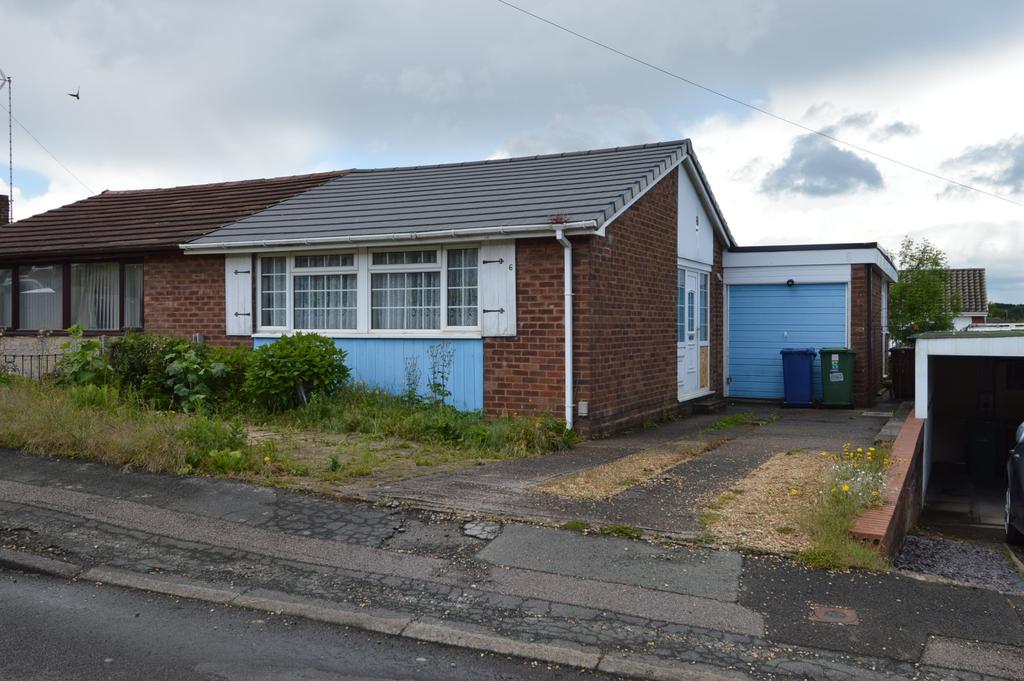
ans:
(288, 372)
(138, 364)
(84, 362)
(189, 374)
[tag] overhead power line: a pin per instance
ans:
(754, 107)
(50, 153)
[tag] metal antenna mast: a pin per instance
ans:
(6, 80)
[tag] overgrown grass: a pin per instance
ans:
(92, 422)
(853, 484)
(381, 415)
(576, 525)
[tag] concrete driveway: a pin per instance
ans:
(669, 504)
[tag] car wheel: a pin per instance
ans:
(1013, 535)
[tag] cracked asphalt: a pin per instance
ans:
(675, 607)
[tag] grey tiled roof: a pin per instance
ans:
(579, 186)
(970, 284)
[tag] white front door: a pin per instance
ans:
(687, 344)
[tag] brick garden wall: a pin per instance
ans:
(184, 295)
(624, 318)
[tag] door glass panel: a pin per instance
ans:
(680, 306)
(690, 299)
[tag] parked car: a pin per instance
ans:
(1015, 491)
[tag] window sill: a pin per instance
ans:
(377, 334)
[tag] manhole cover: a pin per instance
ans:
(826, 613)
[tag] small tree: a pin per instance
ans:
(920, 301)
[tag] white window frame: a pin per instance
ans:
(292, 271)
(364, 268)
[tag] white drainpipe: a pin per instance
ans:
(567, 260)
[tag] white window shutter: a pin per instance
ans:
(498, 288)
(238, 294)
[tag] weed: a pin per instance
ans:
(744, 418)
(705, 537)
(708, 518)
(576, 525)
(333, 465)
(619, 530)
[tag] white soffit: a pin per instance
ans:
(812, 257)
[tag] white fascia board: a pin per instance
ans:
(702, 194)
(693, 265)
(830, 256)
(400, 238)
(780, 274)
(975, 345)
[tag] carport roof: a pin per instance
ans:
(967, 335)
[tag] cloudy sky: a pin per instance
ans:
(187, 92)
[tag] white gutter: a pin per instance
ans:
(567, 266)
(541, 229)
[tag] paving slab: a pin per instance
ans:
(984, 658)
(695, 572)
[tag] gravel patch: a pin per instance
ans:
(985, 565)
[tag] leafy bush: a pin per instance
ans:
(138, 362)
(189, 375)
(84, 362)
(288, 372)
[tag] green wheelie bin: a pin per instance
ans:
(837, 377)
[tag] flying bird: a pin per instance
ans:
(75, 93)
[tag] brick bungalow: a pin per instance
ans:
(615, 263)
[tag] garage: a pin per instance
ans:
(970, 390)
(765, 318)
(817, 296)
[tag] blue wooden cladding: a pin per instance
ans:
(381, 363)
(765, 318)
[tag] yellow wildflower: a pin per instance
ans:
(846, 488)
(874, 493)
(794, 492)
(266, 459)
(860, 450)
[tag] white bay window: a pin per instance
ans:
(383, 291)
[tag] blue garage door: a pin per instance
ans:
(765, 318)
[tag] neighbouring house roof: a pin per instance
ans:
(589, 187)
(146, 219)
(969, 284)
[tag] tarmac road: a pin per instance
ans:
(51, 629)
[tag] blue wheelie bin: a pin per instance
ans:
(798, 376)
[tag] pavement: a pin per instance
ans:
(619, 607)
(671, 503)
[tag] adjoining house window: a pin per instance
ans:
(325, 301)
(133, 296)
(703, 307)
(462, 287)
(41, 297)
(274, 292)
(6, 297)
(680, 306)
(96, 295)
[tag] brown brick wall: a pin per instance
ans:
(184, 295)
(525, 374)
(866, 332)
(624, 318)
